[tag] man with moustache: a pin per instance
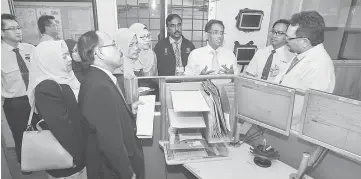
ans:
(103, 105)
(272, 62)
(172, 52)
(213, 58)
(48, 28)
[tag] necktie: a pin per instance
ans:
(215, 64)
(293, 64)
(177, 55)
(23, 69)
(123, 98)
(268, 65)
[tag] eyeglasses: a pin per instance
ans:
(293, 38)
(278, 33)
(109, 45)
(13, 28)
(147, 36)
(216, 32)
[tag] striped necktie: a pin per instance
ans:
(177, 55)
(267, 67)
(23, 68)
(293, 64)
(123, 98)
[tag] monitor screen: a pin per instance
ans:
(265, 104)
(332, 122)
(251, 20)
(245, 54)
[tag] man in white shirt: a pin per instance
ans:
(213, 58)
(312, 68)
(48, 28)
(272, 62)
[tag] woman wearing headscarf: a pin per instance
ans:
(147, 60)
(53, 88)
(77, 66)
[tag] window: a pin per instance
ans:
(195, 17)
(74, 18)
(146, 12)
(343, 26)
(150, 12)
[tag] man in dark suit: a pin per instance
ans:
(173, 51)
(103, 105)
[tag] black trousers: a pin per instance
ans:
(17, 112)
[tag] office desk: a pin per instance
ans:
(240, 166)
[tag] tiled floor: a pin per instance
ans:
(14, 167)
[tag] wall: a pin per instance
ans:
(107, 16)
(227, 10)
(5, 6)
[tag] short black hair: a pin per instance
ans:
(170, 17)
(311, 25)
(211, 22)
(43, 21)
(7, 17)
(282, 21)
(86, 46)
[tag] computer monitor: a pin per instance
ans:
(265, 104)
(245, 54)
(250, 20)
(332, 122)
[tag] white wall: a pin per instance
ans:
(5, 6)
(227, 10)
(107, 16)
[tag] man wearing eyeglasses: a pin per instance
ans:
(172, 52)
(15, 63)
(103, 105)
(213, 58)
(272, 62)
(48, 28)
(312, 67)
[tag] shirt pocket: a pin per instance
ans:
(11, 74)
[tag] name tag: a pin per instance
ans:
(27, 57)
(166, 51)
(188, 50)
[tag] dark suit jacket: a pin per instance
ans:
(59, 109)
(103, 107)
(166, 60)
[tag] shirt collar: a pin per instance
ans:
(314, 49)
(7, 47)
(171, 40)
(210, 49)
(47, 37)
(112, 77)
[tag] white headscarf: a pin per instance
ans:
(123, 37)
(48, 63)
(146, 57)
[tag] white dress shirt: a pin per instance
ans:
(111, 76)
(280, 63)
(201, 57)
(315, 70)
(46, 37)
(12, 83)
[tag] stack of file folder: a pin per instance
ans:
(198, 127)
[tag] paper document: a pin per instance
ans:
(189, 101)
(186, 119)
(189, 136)
(145, 117)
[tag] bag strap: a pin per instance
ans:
(31, 115)
(33, 108)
